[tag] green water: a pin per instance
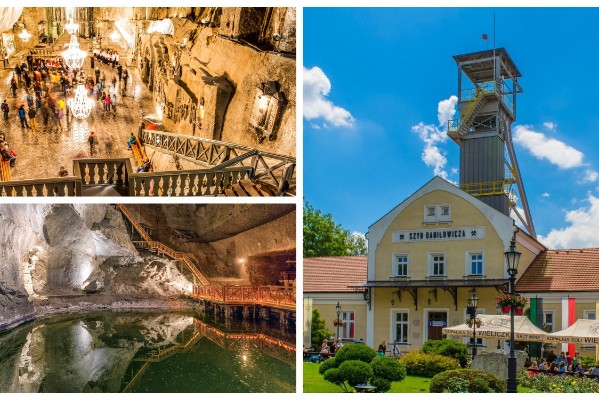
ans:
(146, 352)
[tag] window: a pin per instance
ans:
(400, 327)
(475, 263)
(347, 329)
(401, 264)
(437, 213)
(590, 314)
(548, 321)
(437, 264)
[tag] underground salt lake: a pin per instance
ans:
(146, 353)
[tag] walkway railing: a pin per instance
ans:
(186, 183)
(67, 187)
(270, 168)
(275, 296)
(160, 247)
(102, 171)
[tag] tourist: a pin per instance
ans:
(97, 72)
(561, 357)
(31, 115)
(119, 71)
(18, 72)
(5, 109)
(553, 367)
(324, 349)
(331, 344)
(13, 86)
(543, 365)
(8, 154)
(113, 102)
(23, 117)
(562, 366)
(63, 171)
(145, 167)
(382, 349)
(107, 103)
(575, 361)
(534, 365)
(131, 140)
(90, 141)
(338, 344)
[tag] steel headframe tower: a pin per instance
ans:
(487, 109)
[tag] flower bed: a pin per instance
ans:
(544, 383)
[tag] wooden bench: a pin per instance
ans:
(139, 153)
(5, 174)
(308, 355)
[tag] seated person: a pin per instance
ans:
(562, 366)
(534, 365)
(8, 154)
(382, 349)
(145, 167)
(594, 370)
(131, 140)
(324, 349)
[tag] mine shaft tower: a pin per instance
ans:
(487, 109)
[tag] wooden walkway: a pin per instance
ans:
(282, 297)
(160, 248)
(5, 174)
(139, 153)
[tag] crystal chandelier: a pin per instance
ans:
(81, 105)
(74, 56)
(71, 27)
(24, 35)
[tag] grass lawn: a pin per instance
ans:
(314, 383)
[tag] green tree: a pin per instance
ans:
(320, 332)
(324, 238)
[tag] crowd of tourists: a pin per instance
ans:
(563, 363)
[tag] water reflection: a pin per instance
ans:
(151, 352)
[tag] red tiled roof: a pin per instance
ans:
(333, 274)
(562, 270)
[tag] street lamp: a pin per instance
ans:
(471, 310)
(512, 257)
(338, 308)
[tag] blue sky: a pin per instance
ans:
(371, 76)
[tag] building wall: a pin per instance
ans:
(326, 304)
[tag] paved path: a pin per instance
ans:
(43, 150)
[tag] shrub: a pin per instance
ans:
(334, 376)
(427, 365)
(388, 368)
(327, 364)
(587, 361)
(355, 351)
(466, 381)
(320, 332)
(382, 385)
(544, 383)
(447, 347)
(355, 372)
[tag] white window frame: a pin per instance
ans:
(393, 317)
(589, 311)
(545, 313)
(437, 215)
(480, 342)
(346, 328)
(395, 269)
(468, 258)
(431, 256)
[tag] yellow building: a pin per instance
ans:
(427, 255)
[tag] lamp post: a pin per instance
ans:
(338, 308)
(471, 310)
(512, 257)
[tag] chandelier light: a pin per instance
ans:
(71, 27)
(74, 56)
(80, 105)
(24, 35)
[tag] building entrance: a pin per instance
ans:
(437, 320)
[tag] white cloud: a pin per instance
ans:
(543, 147)
(433, 135)
(590, 176)
(545, 195)
(316, 105)
(583, 229)
(550, 125)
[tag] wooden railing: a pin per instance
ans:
(186, 183)
(270, 168)
(160, 247)
(275, 296)
(64, 187)
(102, 171)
